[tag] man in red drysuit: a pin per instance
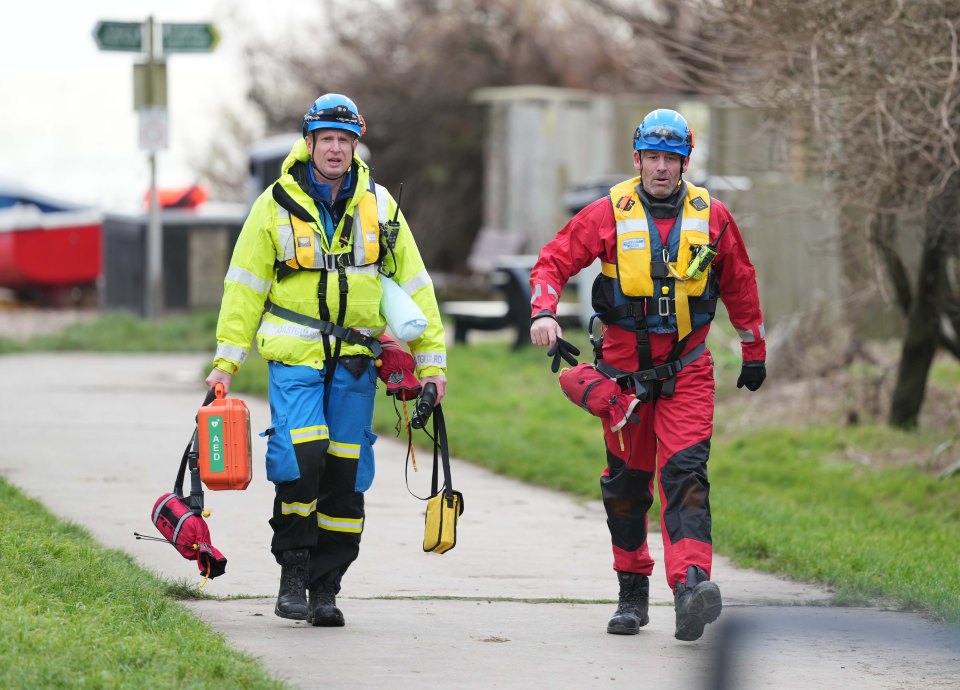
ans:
(668, 251)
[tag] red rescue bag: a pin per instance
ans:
(189, 534)
(599, 395)
(179, 517)
(396, 368)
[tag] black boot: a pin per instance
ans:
(323, 608)
(697, 602)
(631, 612)
(292, 600)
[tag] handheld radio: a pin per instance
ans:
(389, 232)
(391, 228)
(704, 256)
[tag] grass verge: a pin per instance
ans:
(74, 614)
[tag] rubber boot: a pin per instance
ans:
(323, 609)
(697, 602)
(292, 599)
(634, 601)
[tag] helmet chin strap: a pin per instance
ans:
(327, 177)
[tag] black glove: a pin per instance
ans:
(565, 350)
(752, 375)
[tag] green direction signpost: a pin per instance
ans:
(188, 38)
(123, 36)
(150, 99)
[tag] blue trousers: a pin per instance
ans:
(320, 456)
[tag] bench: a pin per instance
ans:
(510, 278)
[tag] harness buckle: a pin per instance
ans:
(663, 306)
(330, 262)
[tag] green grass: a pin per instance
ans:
(125, 332)
(74, 614)
(799, 503)
(791, 502)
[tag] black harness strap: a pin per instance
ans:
(347, 335)
(282, 197)
(664, 374)
(325, 317)
(667, 306)
(332, 262)
(341, 313)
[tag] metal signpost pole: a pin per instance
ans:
(150, 100)
(154, 292)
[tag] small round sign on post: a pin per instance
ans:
(153, 129)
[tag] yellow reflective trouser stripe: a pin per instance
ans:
(340, 524)
(302, 509)
(309, 433)
(344, 450)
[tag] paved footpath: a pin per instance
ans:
(521, 602)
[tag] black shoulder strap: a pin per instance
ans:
(440, 447)
(189, 459)
(441, 457)
(282, 197)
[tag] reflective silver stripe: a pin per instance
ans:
(383, 203)
(340, 524)
(175, 538)
(701, 225)
(295, 330)
(746, 336)
(551, 291)
(763, 332)
(344, 450)
(245, 277)
(309, 433)
(631, 225)
(418, 281)
(231, 352)
(291, 330)
(164, 502)
(176, 532)
(302, 509)
(537, 291)
(285, 235)
(359, 246)
(369, 269)
(431, 359)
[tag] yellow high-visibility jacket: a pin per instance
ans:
(269, 239)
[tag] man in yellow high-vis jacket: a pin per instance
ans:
(304, 280)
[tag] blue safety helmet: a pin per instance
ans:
(664, 130)
(334, 111)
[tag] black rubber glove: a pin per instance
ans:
(565, 350)
(752, 375)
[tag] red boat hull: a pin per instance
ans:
(43, 257)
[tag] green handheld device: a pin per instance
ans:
(704, 256)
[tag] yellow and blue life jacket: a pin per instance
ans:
(649, 277)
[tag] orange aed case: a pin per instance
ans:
(224, 458)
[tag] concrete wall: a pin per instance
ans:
(541, 140)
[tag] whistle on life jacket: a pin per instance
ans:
(704, 256)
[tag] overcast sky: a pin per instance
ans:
(67, 123)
